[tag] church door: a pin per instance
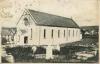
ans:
(25, 39)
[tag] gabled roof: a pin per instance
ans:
(8, 31)
(45, 19)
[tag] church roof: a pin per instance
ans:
(45, 19)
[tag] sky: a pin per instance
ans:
(83, 12)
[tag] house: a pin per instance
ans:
(47, 30)
(7, 35)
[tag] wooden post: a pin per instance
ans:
(58, 47)
(34, 48)
(49, 52)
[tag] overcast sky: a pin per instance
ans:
(84, 12)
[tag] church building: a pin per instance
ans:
(47, 30)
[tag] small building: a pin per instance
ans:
(7, 35)
(48, 30)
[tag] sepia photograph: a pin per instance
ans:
(49, 31)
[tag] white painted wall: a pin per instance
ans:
(38, 34)
(39, 39)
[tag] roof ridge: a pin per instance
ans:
(48, 13)
(46, 19)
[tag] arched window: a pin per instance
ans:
(18, 38)
(76, 32)
(26, 21)
(52, 33)
(58, 33)
(64, 33)
(73, 33)
(31, 33)
(69, 32)
(44, 33)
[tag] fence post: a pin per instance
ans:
(49, 52)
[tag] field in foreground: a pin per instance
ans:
(66, 55)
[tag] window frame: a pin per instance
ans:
(44, 34)
(52, 33)
(64, 33)
(58, 33)
(31, 33)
